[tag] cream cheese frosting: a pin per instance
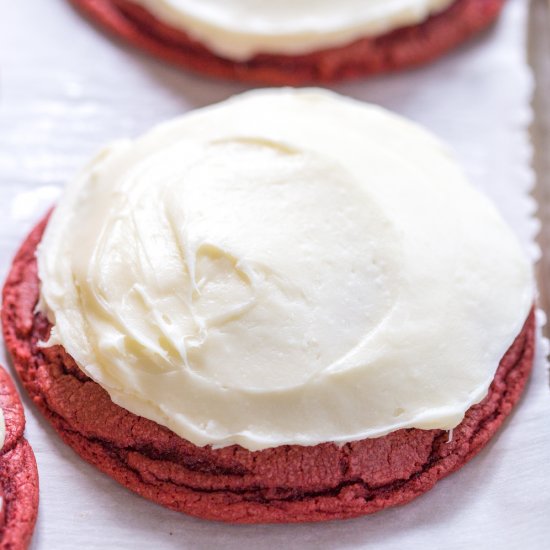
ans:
(240, 29)
(286, 267)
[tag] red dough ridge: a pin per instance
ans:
(18, 474)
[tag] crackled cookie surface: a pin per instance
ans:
(18, 472)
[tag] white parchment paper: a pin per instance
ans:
(66, 89)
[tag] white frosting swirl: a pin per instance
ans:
(287, 267)
(240, 29)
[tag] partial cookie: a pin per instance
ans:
(18, 474)
(285, 484)
(399, 49)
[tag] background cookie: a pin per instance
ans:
(284, 484)
(395, 50)
(18, 473)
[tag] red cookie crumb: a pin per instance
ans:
(284, 484)
(399, 49)
(18, 474)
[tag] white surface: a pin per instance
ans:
(66, 89)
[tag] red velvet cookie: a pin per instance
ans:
(18, 474)
(395, 50)
(284, 484)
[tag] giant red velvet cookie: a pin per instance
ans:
(395, 50)
(283, 484)
(18, 474)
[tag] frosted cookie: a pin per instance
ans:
(274, 309)
(18, 473)
(294, 42)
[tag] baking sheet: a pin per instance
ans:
(65, 89)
